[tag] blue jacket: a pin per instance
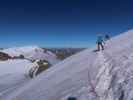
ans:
(99, 39)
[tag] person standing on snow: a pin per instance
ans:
(100, 42)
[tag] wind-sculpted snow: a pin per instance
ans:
(104, 75)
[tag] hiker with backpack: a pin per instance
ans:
(100, 42)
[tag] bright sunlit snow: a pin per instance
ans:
(88, 75)
(13, 73)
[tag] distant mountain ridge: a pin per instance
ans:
(32, 53)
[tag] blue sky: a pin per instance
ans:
(62, 23)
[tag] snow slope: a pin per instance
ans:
(104, 75)
(32, 53)
(13, 74)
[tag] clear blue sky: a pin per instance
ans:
(62, 23)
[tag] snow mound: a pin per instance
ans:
(88, 75)
(32, 53)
